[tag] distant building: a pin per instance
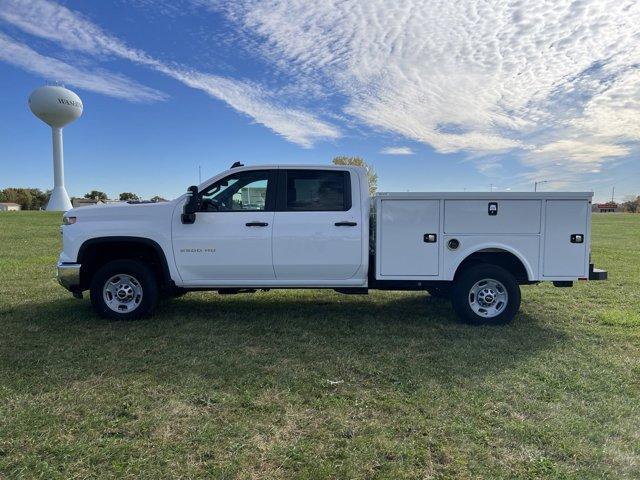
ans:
(10, 207)
(609, 207)
(85, 202)
(253, 197)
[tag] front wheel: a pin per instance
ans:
(486, 295)
(124, 290)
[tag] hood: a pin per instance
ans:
(121, 210)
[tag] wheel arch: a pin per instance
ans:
(95, 252)
(496, 254)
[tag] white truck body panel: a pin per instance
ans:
(220, 247)
(535, 227)
(560, 258)
(514, 216)
(401, 249)
(149, 221)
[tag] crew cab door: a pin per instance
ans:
(317, 232)
(230, 240)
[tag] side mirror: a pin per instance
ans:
(191, 206)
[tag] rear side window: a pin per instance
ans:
(318, 190)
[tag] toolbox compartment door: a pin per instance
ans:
(563, 256)
(405, 247)
(492, 216)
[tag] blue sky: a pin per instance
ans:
(436, 95)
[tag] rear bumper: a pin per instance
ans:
(68, 275)
(597, 273)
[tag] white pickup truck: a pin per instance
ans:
(281, 226)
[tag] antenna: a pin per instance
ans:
(613, 192)
(56, 106)
(539, 182)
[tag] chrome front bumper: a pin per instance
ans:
(69, 276)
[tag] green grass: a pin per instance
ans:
(313, 384)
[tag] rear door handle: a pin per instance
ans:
(256, 224)
(346, 224)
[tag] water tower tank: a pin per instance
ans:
(55, 106)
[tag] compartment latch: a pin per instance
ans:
(430, 238)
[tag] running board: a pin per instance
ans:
(353, 291)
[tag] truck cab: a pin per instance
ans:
(301, 226)
(276, 226)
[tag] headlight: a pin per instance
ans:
(69, 220)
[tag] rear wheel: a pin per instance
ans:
(486, 295)
(124, 290)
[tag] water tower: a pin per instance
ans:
(57, 107)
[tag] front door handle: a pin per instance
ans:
(346, 224)
(256, 224)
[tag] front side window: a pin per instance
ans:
(318, 190)
(242, 191)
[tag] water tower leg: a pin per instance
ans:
(59, 200)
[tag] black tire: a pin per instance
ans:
(440, 292)
(146, 284)
(462, 298)
(177, 292)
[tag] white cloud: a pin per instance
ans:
(397, 151)
(72, 31)
(473, 76)
(295, 125)
(581, 152)
(99, 81)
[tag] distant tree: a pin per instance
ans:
(27, 198)
(9, 195)
(158, 198)
(631, 205)
(39, 199)
(96, 195)
(372, 176)
(126, 196)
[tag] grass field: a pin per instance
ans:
(314, 384)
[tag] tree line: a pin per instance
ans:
(123, 197)
(36, 199)
(27, 198)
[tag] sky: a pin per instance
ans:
(436, 95)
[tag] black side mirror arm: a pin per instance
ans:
(191, 206)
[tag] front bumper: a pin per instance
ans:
(68, 275)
